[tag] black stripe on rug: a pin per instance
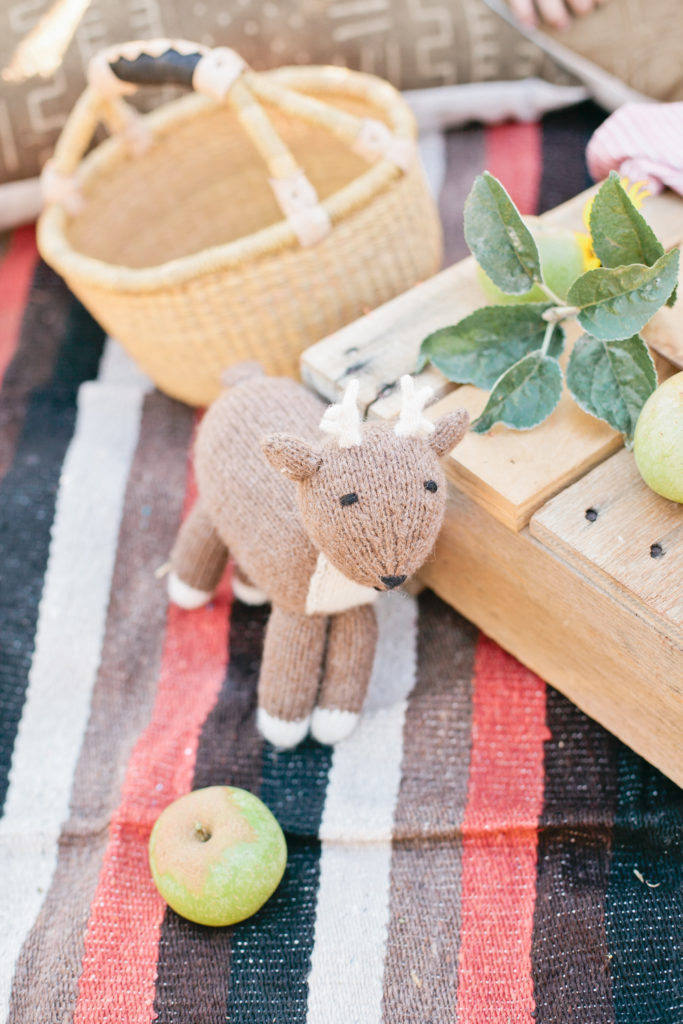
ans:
(643, 906)
(570, 963)
(564, 137)
(271, 952)
(42, 330)
(28, 494)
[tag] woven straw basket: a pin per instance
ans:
(211, 231)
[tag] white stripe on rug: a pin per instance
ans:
(69, 635)
(433, 156)
(352, 915)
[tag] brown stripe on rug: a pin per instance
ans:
(569, 953)
(421, 969)
(465, 156)
(46, 979)
(193, 970)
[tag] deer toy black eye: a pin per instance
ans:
(431, 485)
(348, 499)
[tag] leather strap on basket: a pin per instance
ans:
(220, 73)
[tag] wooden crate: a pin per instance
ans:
(593, 604)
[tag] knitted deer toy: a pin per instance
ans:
(319, 529)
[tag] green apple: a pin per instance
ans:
(217, 855)
(562, 261)
(658, 439)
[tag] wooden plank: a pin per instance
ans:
(618, 532)
(388, 405)
(384, 344)
(664, 333)
(617, 666)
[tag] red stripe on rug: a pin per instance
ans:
(504, 801)
(514, 156)
(16, 273)
(118, 977)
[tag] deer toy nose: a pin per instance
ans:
(392, 581)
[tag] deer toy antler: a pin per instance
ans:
(343, 419)
(411, 422)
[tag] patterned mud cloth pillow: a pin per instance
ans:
(44, 48)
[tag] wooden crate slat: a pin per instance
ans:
(614, 544)
(597, 650)
(664, 333)
(380, 347)
(512, 473)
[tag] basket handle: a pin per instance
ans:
(220, 73)
(119, 70)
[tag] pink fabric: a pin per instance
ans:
(643, 142)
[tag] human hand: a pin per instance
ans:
(555, 13)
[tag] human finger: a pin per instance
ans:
(553, 12)
(582, 6)
(525, 12)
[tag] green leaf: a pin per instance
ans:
(618, 302)
(621, 235)
(498, 237)
(524, 396)
(612, 379)
(487, 343)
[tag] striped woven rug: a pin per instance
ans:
(478, 852)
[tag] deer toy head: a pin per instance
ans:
(373, 498)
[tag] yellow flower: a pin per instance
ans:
(590, 260)
(637, 193)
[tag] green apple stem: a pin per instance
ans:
(558, 313)
(550, 293)
(547, 338)
(201, 832)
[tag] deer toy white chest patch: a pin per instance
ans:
(330, 592)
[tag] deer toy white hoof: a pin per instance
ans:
(248, 594)
(184, 595)
(280, 732)
(330, 726)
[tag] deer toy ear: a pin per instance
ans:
(297, 459)
(449, 431)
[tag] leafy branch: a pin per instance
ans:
(513, 350)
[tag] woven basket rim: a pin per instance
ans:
(57, 250)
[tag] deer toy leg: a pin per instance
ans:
(290, 675)
(348, 665)
(198, 560)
